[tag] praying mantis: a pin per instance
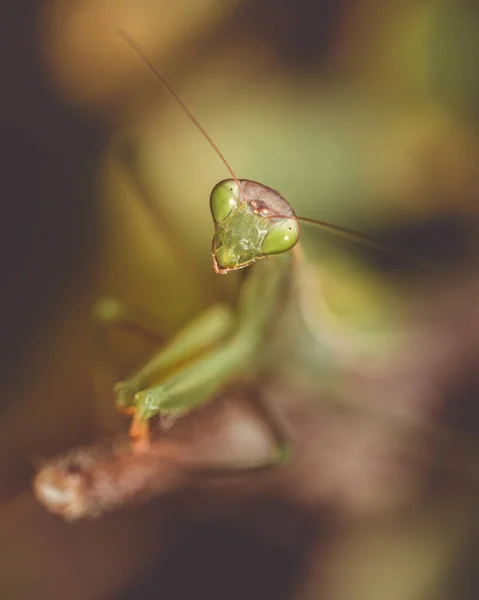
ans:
(257, 230)
(257, 233)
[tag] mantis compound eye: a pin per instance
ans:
(282, 237)
(224, 198)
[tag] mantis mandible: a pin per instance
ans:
(254, 228)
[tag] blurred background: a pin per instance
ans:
(360, 112)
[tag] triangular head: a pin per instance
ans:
(251, 222)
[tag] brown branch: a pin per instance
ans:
(88, 481)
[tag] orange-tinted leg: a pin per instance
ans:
(140, 439)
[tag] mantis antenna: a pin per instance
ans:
(139, 51)
(346, 233)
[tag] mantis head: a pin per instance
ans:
(252, 221)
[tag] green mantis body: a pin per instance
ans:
(252, 222)
(223, 343)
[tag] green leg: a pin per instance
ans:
(192, 385)
(199, 336)
(279, 430)
(198, 382)
(280, 455)
(110, 312)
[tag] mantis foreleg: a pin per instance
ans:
(195, 339)
(204, 373)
